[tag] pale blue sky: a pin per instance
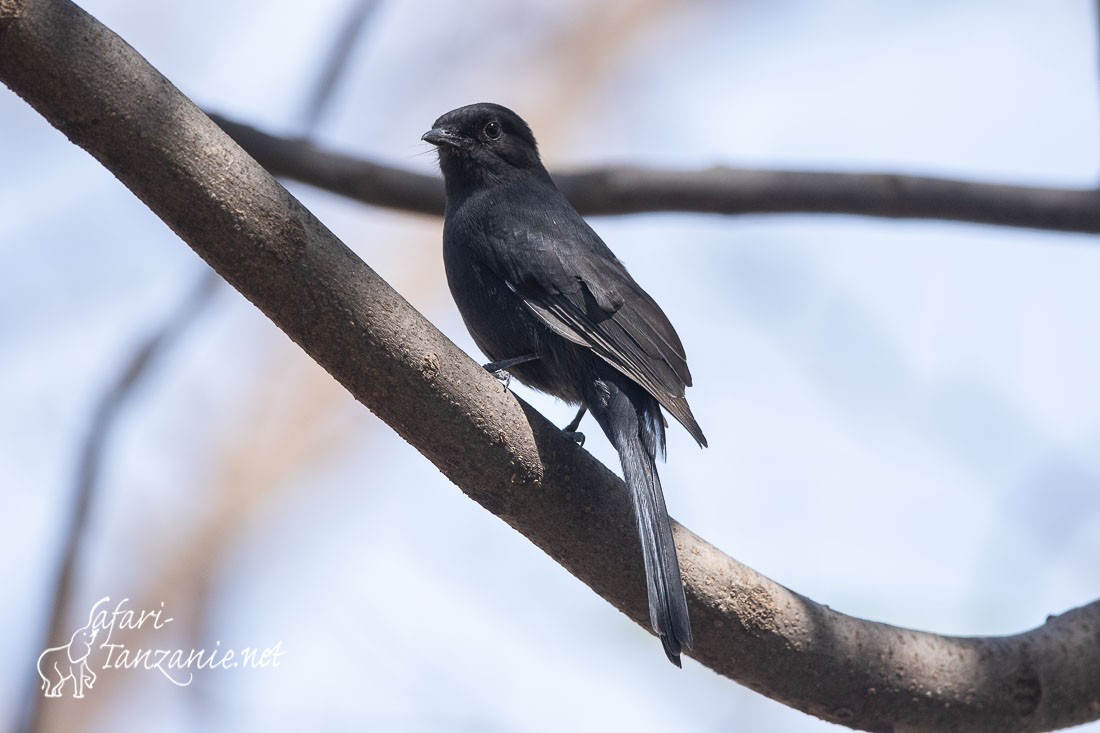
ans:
(903, 416)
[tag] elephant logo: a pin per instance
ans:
(59, 664)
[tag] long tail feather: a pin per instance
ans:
(637, 436)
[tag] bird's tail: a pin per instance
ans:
(634, 426)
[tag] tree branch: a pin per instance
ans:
(719, 190)
(503, 454)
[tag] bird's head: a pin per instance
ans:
(483, 141)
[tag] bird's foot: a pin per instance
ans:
(571, 431)
(575, 435)
(502, 375)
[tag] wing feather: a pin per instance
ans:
(575, 285)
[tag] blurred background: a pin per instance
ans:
(903, 416)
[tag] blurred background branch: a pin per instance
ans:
(105, 417)
(351, 32)
(238, 497)
(717, 190)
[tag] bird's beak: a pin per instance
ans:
(440, 136)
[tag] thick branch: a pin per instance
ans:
(504, 455)
(631, 190)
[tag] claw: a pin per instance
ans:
(575, 435)
(571, 428)
(503, 377)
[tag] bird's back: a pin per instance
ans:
(524, 236)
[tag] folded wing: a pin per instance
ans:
(577, 287)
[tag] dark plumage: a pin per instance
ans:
(538, 288)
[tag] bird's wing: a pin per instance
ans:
(575, 285)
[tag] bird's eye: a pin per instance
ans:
(492, 130)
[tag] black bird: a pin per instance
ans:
(544, 298)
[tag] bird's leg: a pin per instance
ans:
(570, 430)
(499, 368)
